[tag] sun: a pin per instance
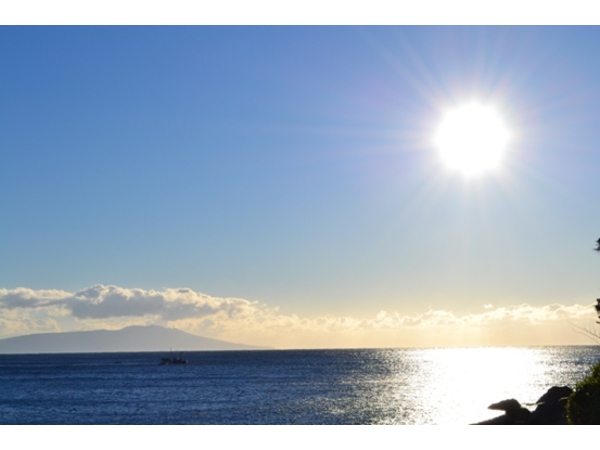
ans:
(472, 138)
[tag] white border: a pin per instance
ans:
(295, 12)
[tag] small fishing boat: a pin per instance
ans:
(172, 360)
(178, 360)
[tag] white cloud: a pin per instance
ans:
(105, 302)
(25, 311)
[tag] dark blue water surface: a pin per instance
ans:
(278, 387)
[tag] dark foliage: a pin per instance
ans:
(583, 406)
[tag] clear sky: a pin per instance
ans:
(281, 185)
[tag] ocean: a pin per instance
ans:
(449, 386)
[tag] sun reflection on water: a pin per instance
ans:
(455, 386)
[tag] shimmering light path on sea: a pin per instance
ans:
(367, 386)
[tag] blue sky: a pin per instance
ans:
(293, 168)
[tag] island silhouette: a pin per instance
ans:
(151, 338)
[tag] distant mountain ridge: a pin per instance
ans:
(150, 338)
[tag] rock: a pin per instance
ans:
(555, 393)
(500, 420)
(551, 413)
(513, 417)
(550, 410)
(506, 405)
(514, 413)
(551, 407)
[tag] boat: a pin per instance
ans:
(178, 360)
(172, 360)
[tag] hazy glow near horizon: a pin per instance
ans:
(472, 138)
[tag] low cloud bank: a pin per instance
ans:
(24, 310)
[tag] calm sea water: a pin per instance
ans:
(386, 386)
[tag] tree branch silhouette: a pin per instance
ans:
(590, 332)
(597, 305)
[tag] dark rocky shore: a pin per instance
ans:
(550, 410)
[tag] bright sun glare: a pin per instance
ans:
(472, 138)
